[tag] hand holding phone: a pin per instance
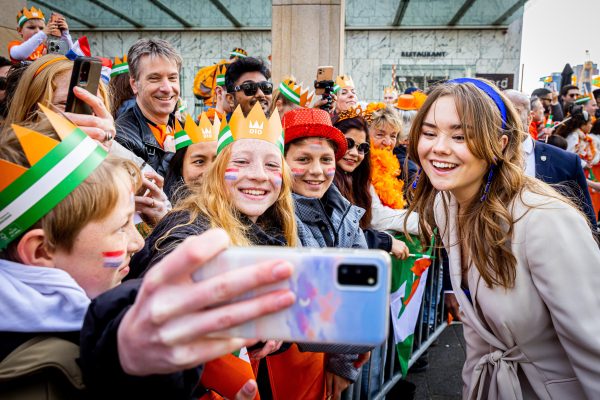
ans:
(324, 86)
(342, 294)
(85, 75)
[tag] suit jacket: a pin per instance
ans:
(541, 338)
(556, 166)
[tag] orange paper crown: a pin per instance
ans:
(25, 15)
(255, 126)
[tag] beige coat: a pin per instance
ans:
(540, 339)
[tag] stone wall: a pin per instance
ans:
(370, 55)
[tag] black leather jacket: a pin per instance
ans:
(135, 135)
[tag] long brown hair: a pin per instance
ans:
(486, 227)
(212, 200)
(119, 91)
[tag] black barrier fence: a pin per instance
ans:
(382, 372)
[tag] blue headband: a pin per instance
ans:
(487, 89)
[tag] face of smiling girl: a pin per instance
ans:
(253, 176)
(444, 154)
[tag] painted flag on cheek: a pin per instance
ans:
(113, 259)
(231, 174)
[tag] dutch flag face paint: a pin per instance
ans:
(113, 259)
(231, 174)
(277, 178)
(298, 171)
(330, 171)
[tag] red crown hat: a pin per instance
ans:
(312, 122)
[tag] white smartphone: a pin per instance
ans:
(342, 295)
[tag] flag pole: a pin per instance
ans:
(521, 82)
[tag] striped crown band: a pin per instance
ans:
(336, 88)
(22, 20)
(57, 169)
(206, 131)
(289, 93)
(238, 54)
(220, 80)
(119, 69)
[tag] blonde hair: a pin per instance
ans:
(486, 227)
(39, 88)
(387, 116)
(212, 199)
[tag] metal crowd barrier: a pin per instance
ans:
(430, 324)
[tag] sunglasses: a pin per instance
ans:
(362, 148)
(250, 88)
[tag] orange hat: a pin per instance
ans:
(406, 102)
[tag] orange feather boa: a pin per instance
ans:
(385, 170)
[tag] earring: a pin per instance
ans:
(487, 184)
(416, 181)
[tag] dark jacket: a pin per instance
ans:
(176, 224)
(557, 166)
(557, 112)
(134, 134)
(401, 154)
(99, 359)
(329, 222)
(378, 240)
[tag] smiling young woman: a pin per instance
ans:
(520, 306)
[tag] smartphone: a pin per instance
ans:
(342, 295)
(86, 75)
(56, 45)
(55, 17)
(323, 74)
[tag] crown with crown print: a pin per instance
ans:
(255, 126)
(25, 15)
(57, 168)
(120, 66)
(239, 52)
(191, 133)
(295, 92)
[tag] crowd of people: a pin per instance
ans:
(104, 218)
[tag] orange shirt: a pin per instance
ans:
(37, 53)
(160, 132)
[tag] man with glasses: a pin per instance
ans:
(247, 82)
(550, 103)
(568, 95)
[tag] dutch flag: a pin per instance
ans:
(81, 48)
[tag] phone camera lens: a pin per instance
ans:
(344, 271)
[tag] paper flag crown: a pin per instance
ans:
(343, 81)
(389, 90)
(25, 15)
(120, 66)
(191, 133)
(255, 126)
(295, 92)
(221, 70)
(57, 168)
(239, 52)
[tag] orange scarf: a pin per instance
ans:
(385, 170)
